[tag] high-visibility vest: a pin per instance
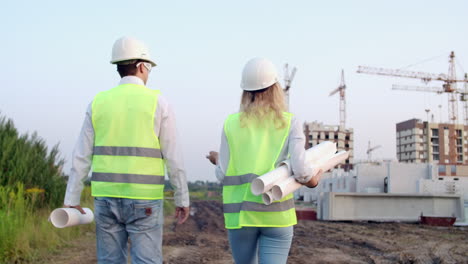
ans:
(253, 151)
(127, 159)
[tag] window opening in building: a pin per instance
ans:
(453, 169)
(441, 168)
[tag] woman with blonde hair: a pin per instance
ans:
(254, 141)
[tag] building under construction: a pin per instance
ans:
(441, 143)
(318, 132)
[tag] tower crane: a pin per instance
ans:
(370, 149)
(341, 89)
(449, 80)
(464, 99)
(288, 78)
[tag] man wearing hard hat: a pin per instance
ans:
(128, 137)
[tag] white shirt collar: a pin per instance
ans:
(131, 80)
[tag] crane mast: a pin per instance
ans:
(463, 98)
(341, 89)
(288, 78)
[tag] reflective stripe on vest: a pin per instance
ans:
(127, 178)
(127, 160)
(254, 150)
(238, 180)
(258, 207)
(127, 151)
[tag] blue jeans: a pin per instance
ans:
(264, 245)
(119, 220)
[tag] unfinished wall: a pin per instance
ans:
(370, 176)
(404, 177)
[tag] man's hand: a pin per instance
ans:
(182, 213)
(314, 181)
(213, 156)
(77, 207)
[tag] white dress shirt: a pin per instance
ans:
(165, 130)
(294, 145)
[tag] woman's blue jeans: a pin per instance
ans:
(119, 220)
(264, 245)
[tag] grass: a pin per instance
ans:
(27, 235)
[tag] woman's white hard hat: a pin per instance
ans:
(128, 48)
(258, 74)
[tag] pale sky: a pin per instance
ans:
(56, 58)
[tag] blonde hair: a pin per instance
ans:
(260, 105)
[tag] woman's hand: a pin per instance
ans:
(314, 181)
(213, 157)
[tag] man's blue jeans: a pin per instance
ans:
(264, 245)
(119, 220)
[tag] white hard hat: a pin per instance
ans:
(258, 74)
(127, 48)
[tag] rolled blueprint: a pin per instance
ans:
(289, 185)
(334, 160)
(324, 150)
(267, 198)
(320, 152)
(264, 183)
(284, 188)
(65, 217)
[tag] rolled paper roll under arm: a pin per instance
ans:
(286, 163)
(290, 185)
(265, 182)
(335, 160)
(65, 217)
(284, 188)
(267, 198)
(322, 151)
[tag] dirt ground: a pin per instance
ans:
(203, 239)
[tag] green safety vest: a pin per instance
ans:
(127, 159)
(253, 151)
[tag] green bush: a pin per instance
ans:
(25, 159)
(31, 186)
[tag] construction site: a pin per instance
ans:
(203, 239)
(133, 132)
(410, 210)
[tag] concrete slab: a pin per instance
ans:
(387, 207)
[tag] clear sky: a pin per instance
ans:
(56, 56)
